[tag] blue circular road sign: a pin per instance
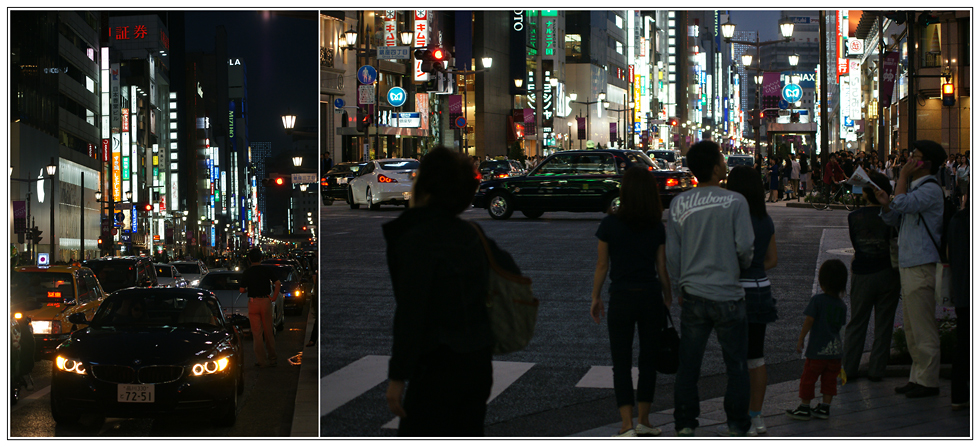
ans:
(339, 103)
(783, 104)
(397, 96)
(367, 74)
(792, 93)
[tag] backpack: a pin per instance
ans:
(949, 209)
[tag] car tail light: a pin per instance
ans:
(385, 179)
(672, 183)
(694, 181)
(479, 176)
(46, 327)
(502, 176)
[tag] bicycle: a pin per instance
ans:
(839, 193)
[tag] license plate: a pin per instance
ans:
(136, 393)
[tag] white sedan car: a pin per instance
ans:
(386, 181)
(192, 271)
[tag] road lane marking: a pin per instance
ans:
(504, 375)
(351, 381)
(602, 377)
(37, 395)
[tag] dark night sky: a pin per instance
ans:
(281, 57)
(764, 21)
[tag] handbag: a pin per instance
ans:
(668, 351)
(511, 306)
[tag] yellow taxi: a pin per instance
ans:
(48, 295)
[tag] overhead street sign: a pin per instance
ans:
(393, 53)
(304, 177)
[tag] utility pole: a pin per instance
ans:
(824, 89)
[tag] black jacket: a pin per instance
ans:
(439, 273)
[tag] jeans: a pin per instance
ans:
(644, 311)
(698, 317)
(876, 292)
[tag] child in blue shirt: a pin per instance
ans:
(825, 315)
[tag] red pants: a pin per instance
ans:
(827, 370)
(260, 320)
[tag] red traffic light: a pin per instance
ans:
(947, 89)
(438, 54)
(279, 181)
(147, 207)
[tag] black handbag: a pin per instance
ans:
(668, 352)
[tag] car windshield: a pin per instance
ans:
(666, 155)
(164, 271)
(345, 168)
(495, 164)
(147, 308)
(739, 161)
(193, 269)
(282, 271)
(398, 165)
(114, 275)
(41, 286)
(221, 282)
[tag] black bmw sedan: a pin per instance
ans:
(575, 181)
(150, 352)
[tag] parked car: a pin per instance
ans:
(494, 169)
(670, 157)
(295, 289)
(333, 183)
(740, 160)
(386, 181)
(586, 181)
(168, 276)
(120, 272)
(234, 305)
(192, 271)
(150, 352)
(47, 296)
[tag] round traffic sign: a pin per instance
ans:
(783, 104)
(397, 96)
(114, 231)
(792, 93)
(339, 103)
(460, 122)
(367, 74)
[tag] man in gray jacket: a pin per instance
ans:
(917, 210)
(709, 241)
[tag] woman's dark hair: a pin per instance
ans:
(932, 152)
(448, 179)
(639, 199)
(833, 277)
(745, 181)
(882, 182)
(702, 159)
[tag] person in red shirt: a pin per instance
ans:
(832, 173)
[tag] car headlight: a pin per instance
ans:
(69, 365)
(194, 283)
(46, 327)
(210, 367)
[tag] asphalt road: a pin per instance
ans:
(265, 409)
(560, 384)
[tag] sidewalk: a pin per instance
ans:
(862, 409)
(306, 413)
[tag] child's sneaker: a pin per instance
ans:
(801, 413)
(822, 411)
(685, 432)
(758, 426)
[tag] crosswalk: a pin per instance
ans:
(346, 384)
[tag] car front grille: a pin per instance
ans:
(160, 374)
(146, 374)
(114, 373)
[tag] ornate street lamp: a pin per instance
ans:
(406, 37)
(794, 60)
(351, 37)
(786, 28)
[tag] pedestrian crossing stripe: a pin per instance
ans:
(602, 377)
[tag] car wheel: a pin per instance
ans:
(367, 198)
(228, 412)
(500, 206)
(612, 204)
(350, 199)
(532, 214)
(61, 416)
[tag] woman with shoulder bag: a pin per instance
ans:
(442, 342)
(760, 307)
(631, 247)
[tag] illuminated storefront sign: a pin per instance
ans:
(391, 28)
(421, 32)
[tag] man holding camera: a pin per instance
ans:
(917, 210)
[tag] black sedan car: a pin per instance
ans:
(150, 352)
(295, 290)
(495, 169)
(333, 184)
(585, 181)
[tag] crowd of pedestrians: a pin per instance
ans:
(712, 255)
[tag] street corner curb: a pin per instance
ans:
(306, 409)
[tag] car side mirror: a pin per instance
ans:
(77, 318)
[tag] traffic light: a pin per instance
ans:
(434, 59)
(35, 235)
(673, 122)
(949, 94)
(145, 206)
(927, 18)
(363, 120)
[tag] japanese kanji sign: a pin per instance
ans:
(421, 31)
(391, 28)
(889, 72)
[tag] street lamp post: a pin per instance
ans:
(786, 31)
(588, 112)
(487, 63)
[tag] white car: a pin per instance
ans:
(224, 285)
(168, 276)
(192, 271)
(386, 181)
